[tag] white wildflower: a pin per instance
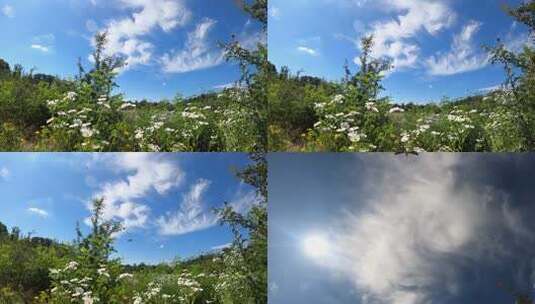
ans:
(396, 110)
(87, 132)
(126, 106)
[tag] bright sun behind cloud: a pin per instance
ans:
(316, 246)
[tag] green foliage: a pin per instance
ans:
(256, 71)
(245, 262)
(22, 101)
(24, 264)
(44, 113)
(520, 76)
(38, 270)
(315, 115)
(10, 137)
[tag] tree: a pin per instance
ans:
(15, 234)
(257, 10)
(246, 260)
(92, 261)
(256, 71)
(367, 80)
(101, 78)
(4, 68)
(520, 74)
(3, 231)
(96, 248)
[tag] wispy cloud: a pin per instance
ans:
(307, 50)
(38, 212)
(464, 55)
(492, 88)
(192, 214)
(41, 48)
(229, 85)
(197, 54)
(221, 247)
(8, 11)
(274, 12)
(4, 173)
(43, 43)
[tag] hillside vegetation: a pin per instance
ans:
(86, 271)
(40, 112)
(310, 114)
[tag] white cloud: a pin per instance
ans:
(192, 214)
(274, 12)
(394, 38)
(229, 85)
(396, 244)
(515, 40)
(43, 43)
(4, 173)
(250, 40)
(463, 57)
(91, 25)
(244, 200)
(492, 88)
(126, 36)
(39, 212)
(8, 11)
(307, 50)
(147, 172)
(221, 247)
(41, 48)
(197, 53)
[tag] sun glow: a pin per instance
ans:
(316, 246)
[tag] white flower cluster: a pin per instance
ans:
(75, 288)
(187, 289)
(371, 106)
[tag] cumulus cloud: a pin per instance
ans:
(464, 55)
(394, 38)
(127, 36)
(197, 54)
(8, 11)
(38, 212)
(429, 232)
(146, 172)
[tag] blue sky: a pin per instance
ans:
(435, 45)
(171, 45)
(165, 201)
(378, 228)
